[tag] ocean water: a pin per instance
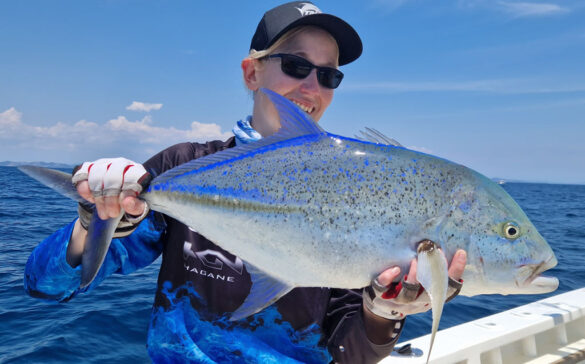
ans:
(110, 323)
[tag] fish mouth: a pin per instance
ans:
(530, 280)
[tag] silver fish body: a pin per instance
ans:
(324, 210)
(309, 208)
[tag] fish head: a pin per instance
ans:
(505, 252)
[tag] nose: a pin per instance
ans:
(310, 83)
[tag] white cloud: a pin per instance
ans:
(142, 106)
(529, 9)
(85, 140)
(9, 119)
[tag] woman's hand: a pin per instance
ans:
(386, 303)
(395, 300)
(112, 184)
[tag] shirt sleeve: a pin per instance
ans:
(344, 327)
(48, 275)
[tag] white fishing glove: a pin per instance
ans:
(403, 298)
(111, 177)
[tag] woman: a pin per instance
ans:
(295, 52)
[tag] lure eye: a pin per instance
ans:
(511, 230)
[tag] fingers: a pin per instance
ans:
(84, 191)
(458, 264)
(132, 204)
(388, 276)
(455, 269)
(113, 185)
(411, 278)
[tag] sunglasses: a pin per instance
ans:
(300, 68)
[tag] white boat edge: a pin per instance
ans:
(551, 330)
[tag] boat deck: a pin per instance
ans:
(551, 330)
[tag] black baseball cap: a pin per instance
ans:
(282, 18)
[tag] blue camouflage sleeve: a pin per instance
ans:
(48, 275)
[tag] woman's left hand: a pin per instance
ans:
(405, 298)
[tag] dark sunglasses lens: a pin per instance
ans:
(295, 66)
(330, 77)
(299, 67)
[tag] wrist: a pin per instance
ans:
(379, 329)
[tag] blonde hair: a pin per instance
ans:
(254, 54)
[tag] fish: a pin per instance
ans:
(432, 274)
(309, 208)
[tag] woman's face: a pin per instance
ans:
(319, 48)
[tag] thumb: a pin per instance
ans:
(132, 204)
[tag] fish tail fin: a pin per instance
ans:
(54, 179)
(100, 232)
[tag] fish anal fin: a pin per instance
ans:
(265, 291)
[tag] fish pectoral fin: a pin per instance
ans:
(265, 291)
(432, 273)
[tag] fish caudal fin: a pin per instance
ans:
(100, 232)
(54, 179)
(265, 291)
(432, 273)
(97, 242)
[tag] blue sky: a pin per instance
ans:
(498, 86)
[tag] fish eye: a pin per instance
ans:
(510, 230)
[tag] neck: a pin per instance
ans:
(264, 115)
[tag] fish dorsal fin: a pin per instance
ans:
(375, 136)
(294, 123)
(265, 291)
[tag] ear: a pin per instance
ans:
(250, 72)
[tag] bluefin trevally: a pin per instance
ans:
(323, 210)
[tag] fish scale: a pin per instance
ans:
(299, 174)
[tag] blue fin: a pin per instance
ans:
(265, 291)
(294, 123)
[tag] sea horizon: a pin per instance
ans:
(69, 165)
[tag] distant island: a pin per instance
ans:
(40, 164)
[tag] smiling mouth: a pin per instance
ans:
(307, 109)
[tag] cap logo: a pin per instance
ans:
(308, 9)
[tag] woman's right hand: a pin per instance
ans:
(112, 184)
